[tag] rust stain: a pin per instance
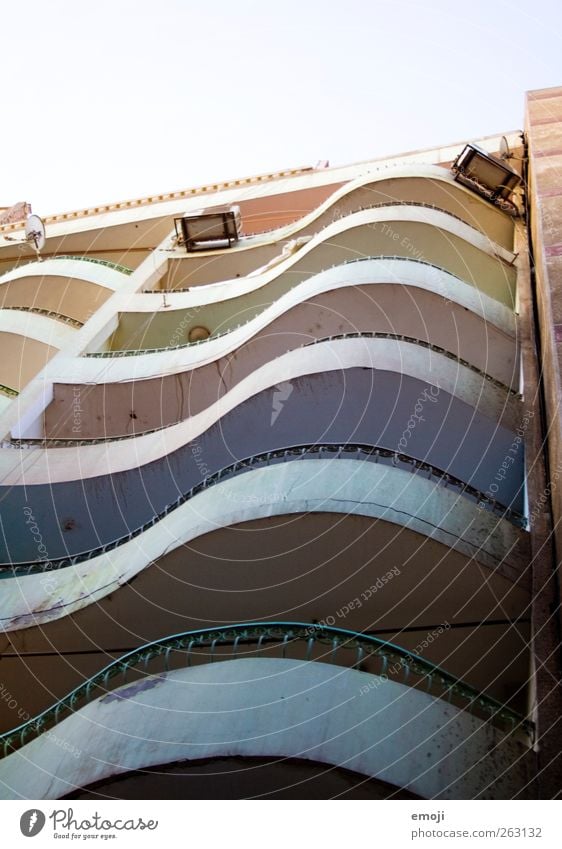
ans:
(137, 687)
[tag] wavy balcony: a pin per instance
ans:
(70, 287)
(433, 236)
(335, 395)
(392, 491)
(171, 325)
(413, 315)
(431, 187)
(265, 546)
(324, 424)
(320, 693)
(395, 356)
(434, 307)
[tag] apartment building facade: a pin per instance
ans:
(278, 484)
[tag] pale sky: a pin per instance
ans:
(115, 99)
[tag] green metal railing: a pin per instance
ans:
(124, 269)
(59, 316)
(314, 642)
(137, 352)
(7, 390)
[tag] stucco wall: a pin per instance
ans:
(276, 707)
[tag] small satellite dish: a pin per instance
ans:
(505, 152)
(35, 232)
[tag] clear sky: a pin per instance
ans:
(113, 99)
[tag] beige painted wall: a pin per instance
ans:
(21, 359)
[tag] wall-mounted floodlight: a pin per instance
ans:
(491, 178)
(209, 229)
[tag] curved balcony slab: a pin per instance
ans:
(411, 232)
(341, 486)
(70, 268)
(71, 287)
(429, 186)
(395, 306)
(40, 328)
(276, 707)
(417, 278)
(447, 243)
(346, 570)
(368, 391)
(386, 310)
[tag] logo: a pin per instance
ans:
(32, 822)
(284, 391)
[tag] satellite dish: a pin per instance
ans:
(35, 232)
(505, 152)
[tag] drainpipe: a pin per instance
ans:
(555, 606)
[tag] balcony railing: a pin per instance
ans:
(124, 269)
(7, 390)
(59, 316)
(306, 642)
